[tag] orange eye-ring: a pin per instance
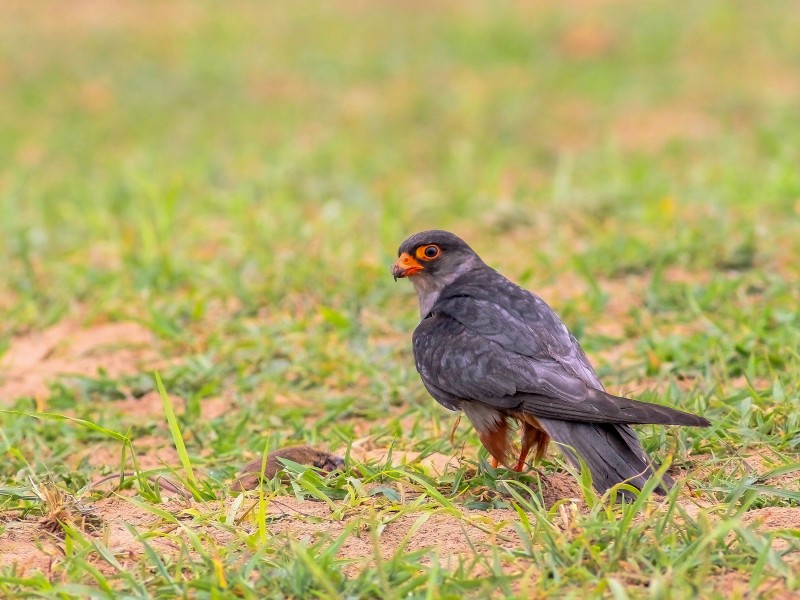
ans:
(428, 252)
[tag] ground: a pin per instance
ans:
(215, 195)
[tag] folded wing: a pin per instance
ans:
(462, 364)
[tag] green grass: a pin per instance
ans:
(237, 178)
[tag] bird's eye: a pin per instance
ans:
(429, 252)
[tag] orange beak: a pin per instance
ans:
(406, 266)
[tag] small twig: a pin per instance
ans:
(158, 480)
(279, 503)
(454, 428)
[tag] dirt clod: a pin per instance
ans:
(250, 475)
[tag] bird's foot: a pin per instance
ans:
(523, 456)
(494, 462)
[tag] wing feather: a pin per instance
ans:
(457, 364)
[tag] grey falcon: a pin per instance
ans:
(500, 354)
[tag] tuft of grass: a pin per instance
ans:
(62, 513)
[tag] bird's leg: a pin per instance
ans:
(495, 440)
(531, 436)
(521, 461)
(527, 442)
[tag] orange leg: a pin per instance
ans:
(521, 461)
(531, 436)
(527, 442)
(496, 442)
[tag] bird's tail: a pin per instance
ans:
(612, 453)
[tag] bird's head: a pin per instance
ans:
(433, 258)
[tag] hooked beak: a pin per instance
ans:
(406, 266)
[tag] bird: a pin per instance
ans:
(500, 354)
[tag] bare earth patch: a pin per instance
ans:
(152, 452)
(27, 546)
(775, 517)
(150, 406)
(37, 359)
(450, 534)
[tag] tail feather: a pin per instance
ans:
(599, 406)
(612, 453)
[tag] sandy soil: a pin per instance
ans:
(37, 359)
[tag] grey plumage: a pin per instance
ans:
(488, 347)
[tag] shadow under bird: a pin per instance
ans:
(497, 352)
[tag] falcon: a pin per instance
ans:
(499, 353)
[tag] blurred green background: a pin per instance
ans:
(154, 155)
